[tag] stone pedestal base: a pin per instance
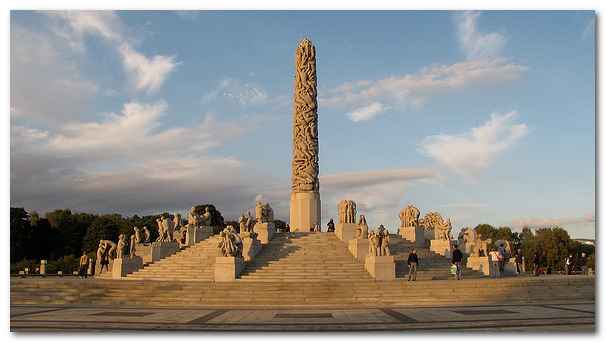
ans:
(161, 250)
(440, 247)
(415, 234)
(198, 234)
(346, 231)
(359, 248)
(265, 231)
(382, 268)
(304, 211)
(250, 248)
(227, 269)
(481, 264)
(123, 266)
(429, 234)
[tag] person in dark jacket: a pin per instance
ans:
(583, 264)
(536, 265)
(457, 255)
(413, 265)
(519, 263)
(331, 226)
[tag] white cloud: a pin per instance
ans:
(468, 152)
(238, 92)
(413, 90)
(477, 45)
(536, 223)
(368, 178)
(589, 31)
(367, 112)
(145, 73)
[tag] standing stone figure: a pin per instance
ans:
(373, 243)
(146, 235)
(137, 235)
(385, 244)
(260, 214)
(193, 219)
(231, 243)
(346, 210)
(122, 246)
(305, 168)
(133, 242)
(443, 230)
(269, 212)
(362, 231)
(177, 221)
(205, 219)
(110, 247)
(409, 216)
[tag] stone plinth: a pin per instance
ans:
(250, 248)
(161, 250)
(265, 231)
(429, 234)
(126, 265)
(304, 211)
(198, 234)
(346, 231)
(359, 248)
(480, 263)
(441, 247)
(415, 234)
(227, 269)
(382, 268)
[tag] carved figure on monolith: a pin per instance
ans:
(305, 197)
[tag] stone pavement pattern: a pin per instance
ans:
(538, 317)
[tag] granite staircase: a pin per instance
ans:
(309, 256)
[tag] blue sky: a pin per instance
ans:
(485, 117)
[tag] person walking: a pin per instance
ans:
(457, 256)
(569, 265)
(83, 270)
(413, 265)
(331, 226)
(495, 271)
(536, 265)
(519, 263)
(583, 264)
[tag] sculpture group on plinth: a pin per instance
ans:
(346, 228)
(198, 227)
(410, 228)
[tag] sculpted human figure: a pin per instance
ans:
(362, 231)
(443, 230)
(193, 219)
(122, 246)
(231, 243)
(100, 251)
(385, 244)
(409, 216)
(346, 210)
(373, 243)
(269, 212)
(146, 235)
(205, 219)
(110, 247)
(243, 226)
(137, 234)
(177, 221)
(250, 221)
(162, 234)
(260, 213)
(133, 242)
(169, 228)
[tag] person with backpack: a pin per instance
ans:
(457, 256)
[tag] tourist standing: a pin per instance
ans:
(331, 226)
(104, 261)
(519, 263)
(457, 256)
(569, 265)
(495, 271)
(413, 265)
(583, 264)
(535, 265)
(316, 227)
(83, 271)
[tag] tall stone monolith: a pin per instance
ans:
(305, 197)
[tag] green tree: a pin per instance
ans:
(280, 224)
(216, 219)
(106, 226)
(487, 231)
(67, 264)
(20, 234)
(71, 229)
(553, 246)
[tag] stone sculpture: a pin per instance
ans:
(504, 247)
(205, 219)
(166, 228)
(133, 242)
(373, 243)
(346, 211)
(109, 246)
(146, 235)
(409, 216)
(231, 243)
(269, 212)
(305, 167)
(442, 230)
(122, 248)
(178, 221)
(432, 220)
(362, 231)
(138, 238)
(384, 251)
(193, 219)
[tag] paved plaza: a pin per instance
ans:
(547, 317)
